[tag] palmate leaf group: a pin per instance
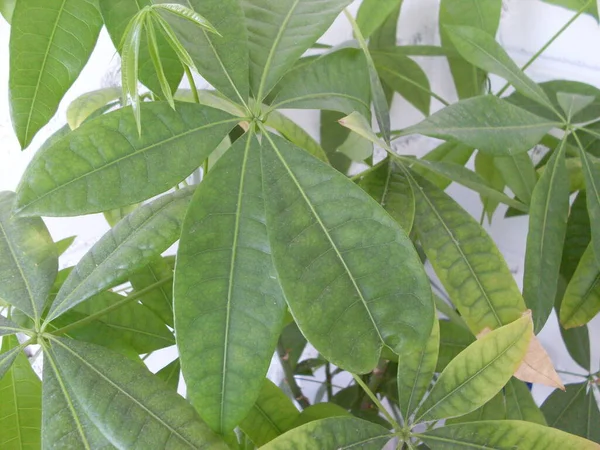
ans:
(280, 249)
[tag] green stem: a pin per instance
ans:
(289, 376)
(375, 400)
(328, 380)
(572, 373)
(190, 77)
(116, 305)
(548, 44)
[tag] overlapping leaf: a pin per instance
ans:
(520, 404)
(105, 164)
(351, 276)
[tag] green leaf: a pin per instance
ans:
(145, 413)
(221, 60)
(466, 260)
(406, 77)
(495, 409)
(552, 89)
(7, 358)
(501, 435)
(337, 81)
(576, 5)
(592, 182)
(415, 373)
(581, 301)
(574, 411)
(320, 411)
(228, 303)
(519, 175)
(337, 251)
(50, 43)
(28, 260)
(64, 424)
(114, 216)
(117, 14)
(486, 169)
(130, 245)
(572, 104)
(293, 342)
(85, 105)
(388, 185)
(487, 123)
(336, 432)
(277, 39)
(380, 103)
(485, 15)
(520, 404)
(135, 324)
(547, 228)
(478, 373)
(272, 415)
(105, 164)
(159, 300)
(8, 327)
(333, 135)
(7, 8)
(373, 13)
(21, 405)
(578, 236)
(481, 49)
(453, 340)
(170, 374)
(295, 134)
(187, 14)
(63, 245)
(452, 152)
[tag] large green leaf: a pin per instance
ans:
(229, 307)
(405, 77)
(336, 432)
(28, 259)
(50, 42)
(8, 327)
(592, 182)
(333, 135)
(485, 15)
(135, 324)
(105, 164)
(389, 186)
(221, 59)
(415, 372)
(7, 358)
(320, 411)
(486, 169)
(574, 411)
(466, 260)
(130, 245)
(272, 415)
(581, 301)
(519, 175)
(7, 8)
(373, 13)
(487, 123)
(453, 340)
(520, 404)
(478, 373)
(578, 236)
(117, 14)
(502, 435)
(495, 409)
(170, 374)
(64, 424)
(21, 405)
(451, 152)
(144, 412)
(337, 81)
(338, 253)
(89, 103)
(548, 216)
(159, 300)
(277, 39)
(576, 5)
(481, 49)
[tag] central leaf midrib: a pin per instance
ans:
(329, 238)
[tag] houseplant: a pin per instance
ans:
(279, 246)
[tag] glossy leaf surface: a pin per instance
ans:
(478, 373)
(338, 253)
(466, 259)
(50, 43)
(105, 164)
(488, 123)
(130, 245)
(144, 413)
(28, 259)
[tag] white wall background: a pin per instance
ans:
(526, 25)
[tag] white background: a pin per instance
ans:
(525, 26)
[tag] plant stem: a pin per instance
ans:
(375, 400)
(572, 373)
(116, 305)
(328, 379)
(289, 376)
(190, 77)
(548, 44)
